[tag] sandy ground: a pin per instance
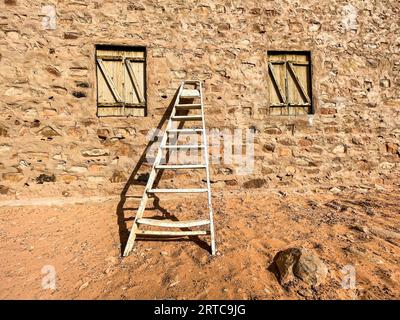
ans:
(83, 244)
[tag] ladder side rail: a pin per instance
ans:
(150, 181)
(205, 143)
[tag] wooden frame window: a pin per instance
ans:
(121, 81)
(289, 83)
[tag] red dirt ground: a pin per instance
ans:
(83, 243)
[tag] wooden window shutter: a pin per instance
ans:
(135, 82)
(121, 81)
(289, 86)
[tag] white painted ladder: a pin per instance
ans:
(183, 93)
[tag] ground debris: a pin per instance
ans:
(336, 205)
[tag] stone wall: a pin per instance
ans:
(52, 142)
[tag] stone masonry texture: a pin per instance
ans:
(52, 142)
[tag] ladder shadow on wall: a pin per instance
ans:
(141, 180)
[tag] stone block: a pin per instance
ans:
(12, 177)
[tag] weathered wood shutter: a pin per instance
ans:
(289, 84)
(121, 79)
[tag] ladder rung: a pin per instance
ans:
(181, 166)
(183, 146)
(190, 93)
(185, 130)
(186, 118)
(176, 190)
(188, 106)
(172, 224)
(173, 233)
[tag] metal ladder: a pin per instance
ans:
(183, 93)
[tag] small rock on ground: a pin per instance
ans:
(300, 263)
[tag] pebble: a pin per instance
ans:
(335, 190)
(84, 285)
(363, 229)
(173, 284)
(305, 293)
